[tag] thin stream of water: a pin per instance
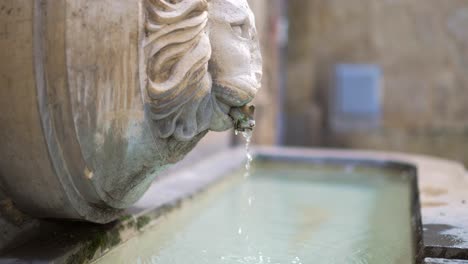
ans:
(247, 134)
(252, 255)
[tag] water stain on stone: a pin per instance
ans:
(9, 213)
(433, 204)
(434, 236)
(433, 191)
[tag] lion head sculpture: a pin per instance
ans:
(201, 58)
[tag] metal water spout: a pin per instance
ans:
(243, 117)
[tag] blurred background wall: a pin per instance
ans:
(421, 47)
(267, 15)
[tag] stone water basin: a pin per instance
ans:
(298, 206)
(288, 212)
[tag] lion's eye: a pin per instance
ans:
(237, 29)
(241, 29)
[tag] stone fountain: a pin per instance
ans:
(99, 96)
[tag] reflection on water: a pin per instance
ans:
(297, 215)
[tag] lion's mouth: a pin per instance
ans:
(236, 91)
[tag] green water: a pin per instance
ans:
(285, 214)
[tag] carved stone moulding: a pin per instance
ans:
(98, 96)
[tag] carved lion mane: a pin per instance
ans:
(177, 50)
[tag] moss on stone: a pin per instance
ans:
(101, 240)
(142, 221)
(131, 224)
(125, 218)
(86, 253)
(113, 239)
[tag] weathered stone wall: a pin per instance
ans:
(422, 47)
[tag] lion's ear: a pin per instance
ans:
(177, 50)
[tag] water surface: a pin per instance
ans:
(285, 214)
